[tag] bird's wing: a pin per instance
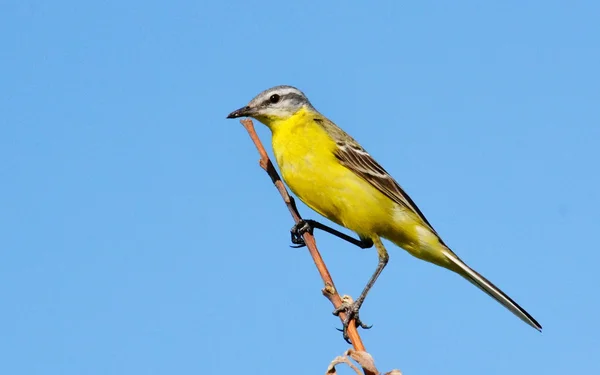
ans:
(355, 158)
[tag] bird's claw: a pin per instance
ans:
(297, 231)
(351, 309)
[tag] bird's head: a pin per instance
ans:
(276, 104)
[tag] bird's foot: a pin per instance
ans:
(297, 231)
(351, 310)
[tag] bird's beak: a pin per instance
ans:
(242, 112)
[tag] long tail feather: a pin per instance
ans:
(491, 290)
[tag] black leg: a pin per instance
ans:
(297, 231)
(304, 226)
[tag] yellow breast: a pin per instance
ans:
(305, 154)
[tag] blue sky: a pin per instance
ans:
(139, 235)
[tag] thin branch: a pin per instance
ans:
(329, 290)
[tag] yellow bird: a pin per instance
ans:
(332, 174)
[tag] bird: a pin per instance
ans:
(336, 177)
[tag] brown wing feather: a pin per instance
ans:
(355, 158)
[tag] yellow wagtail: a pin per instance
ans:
(330, 172)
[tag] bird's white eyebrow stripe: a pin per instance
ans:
(287, 91)
(293, 96)
(289, 95)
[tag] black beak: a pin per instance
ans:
(242, 112)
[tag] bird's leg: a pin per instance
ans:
(352, 309)
(297, 231)
(304, 226)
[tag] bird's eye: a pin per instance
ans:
(274, 98)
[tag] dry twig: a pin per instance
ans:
(329, 290)
(364, 359)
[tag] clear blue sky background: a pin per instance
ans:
(139, 236)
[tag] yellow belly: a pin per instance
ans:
(305, 155)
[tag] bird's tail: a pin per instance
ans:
(493, 291)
